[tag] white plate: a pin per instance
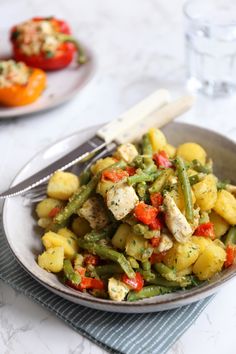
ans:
(62, 85)
(24, 237)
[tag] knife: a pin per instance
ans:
(155, 110)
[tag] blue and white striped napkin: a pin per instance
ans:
(152, 333)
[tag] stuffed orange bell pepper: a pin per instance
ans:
(45, 43)
(19, 84)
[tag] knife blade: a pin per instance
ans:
(152, 111)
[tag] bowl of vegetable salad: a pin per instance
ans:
(147, 228)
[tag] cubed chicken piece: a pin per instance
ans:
(95, 213)
(127, 152)
(117, 289)
(165, 244)
(176, 221)
(121, 200)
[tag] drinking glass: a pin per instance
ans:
(210, 34)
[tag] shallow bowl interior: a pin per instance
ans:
(23, 235)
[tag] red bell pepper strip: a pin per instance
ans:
(114, 175)
(145, 213)
(87, 283)
(205, 230)
(161, 159)
(155, 224)
(131, 170)
(155, 241)
(54, 212)
(46, 60)
(91, 259)
(91, 283)
(156, 199)
(230, 255)
(135, 283)
(157, 257)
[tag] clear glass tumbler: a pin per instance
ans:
(210, 32)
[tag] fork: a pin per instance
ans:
(37, 193)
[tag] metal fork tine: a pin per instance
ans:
(39, 192)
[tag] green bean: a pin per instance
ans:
(84, 177)
(204, 217)
(119, 164)
(147, 150)
(196, 178)
(134, 264)
(76, 202)
(146, 265)
(138, 162)
(108, 253)
(146, 145)
(147, 291)
(80, 197)
(221, 185)
(143, 230)
(109, 269)
(159, 280)
(147, 273)
(231, 236)
(141, 189)
(69, 272)
(96, 235)
(141, 177)
(170, 274)
(159, 183)
(197, 166)
(186, 188)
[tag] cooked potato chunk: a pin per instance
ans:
(52, 239)
(67, 233)
(121, 200)
(117, 289)
(158, 139)
(102, 164)
(52, 259)
(176, 221)
(137, 247)
(120, 237)
(80, 226)
(225, 206)
(220, 224)
(210, 261)
(95, 213)
(181, 255)
(44, 207)
(201, 241)
(206, 192)
(192, 151)
(44, 222)
(103, 187)
(126, 152)
(62, 185)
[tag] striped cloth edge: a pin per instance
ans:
(152, 333)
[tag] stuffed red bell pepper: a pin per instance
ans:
(45, 43)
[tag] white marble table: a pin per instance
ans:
(139, 45)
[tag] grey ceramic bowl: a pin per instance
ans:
(24, 238)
